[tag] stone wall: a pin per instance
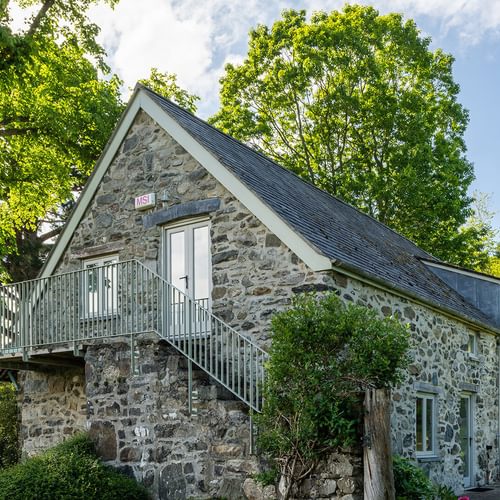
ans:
(254, 275)
(142, 425)
(439, 365)
(253, 272)
(53, 407)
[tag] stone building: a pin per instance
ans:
(149, 323)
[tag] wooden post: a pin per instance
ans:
(377, 451)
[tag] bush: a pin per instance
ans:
(410, 481)
(68, 471)
(9, 448)
(412, 484)
(267, 477)
(323, 354)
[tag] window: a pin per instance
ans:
(100, 286)
(472, 343)
(426, 424)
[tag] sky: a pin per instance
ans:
(195, 39)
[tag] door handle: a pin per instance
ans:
(185, 278)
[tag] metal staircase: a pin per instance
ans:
(67, 310)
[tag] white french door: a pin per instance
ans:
(466, 437)
(187, 266)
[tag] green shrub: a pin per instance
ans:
(410, 481)
(9, 447)
(323, 355)
(68, 471)
(444, 493)
(267, 477)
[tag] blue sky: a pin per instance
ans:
(477, 71)
(195, 39)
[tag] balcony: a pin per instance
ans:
(50, 321)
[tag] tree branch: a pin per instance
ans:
(50, 234)
(15, 119)
(8, 132)
(39, 17)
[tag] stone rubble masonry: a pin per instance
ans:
(142, 426)
(141, 422)
(53, 407)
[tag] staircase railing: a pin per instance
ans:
(127, 298)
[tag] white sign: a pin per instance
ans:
(145, 201)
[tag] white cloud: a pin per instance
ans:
(190, 38)
(20, 16)
(153, 35)
(196, 39)
(472, 19)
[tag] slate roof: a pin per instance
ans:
(353, 239)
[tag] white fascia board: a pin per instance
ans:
(303, 249)
(93, 183)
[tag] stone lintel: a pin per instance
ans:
(106, 248)
(464, 386)
(424, 387)
(180, 211)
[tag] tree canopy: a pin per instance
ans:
(58, 106)
(477, 236)
(56, 114)
(59, 18)
(357, 104)
(494, 264)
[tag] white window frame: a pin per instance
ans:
(472, 343)
(99, 310)
(432, 451)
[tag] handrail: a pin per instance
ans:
(128, 298)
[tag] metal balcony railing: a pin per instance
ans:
(127, 298)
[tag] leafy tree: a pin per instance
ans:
(56, 114)
(166, 85)
(477, 235)
(9, 449)
(54, 18)
(494, 263)
(323, 355)
(357, 104)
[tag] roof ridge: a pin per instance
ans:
(261, 154)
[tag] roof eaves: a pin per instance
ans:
(416, 298)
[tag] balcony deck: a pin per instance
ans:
(61, 356)
(45, 324)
